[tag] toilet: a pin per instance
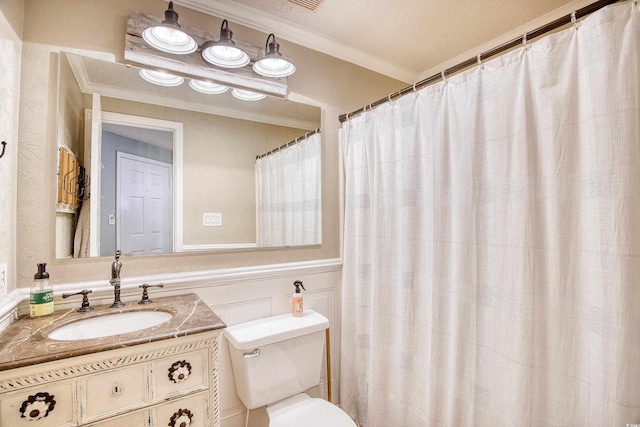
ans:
(275, 360)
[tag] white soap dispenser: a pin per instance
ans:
(296, 300)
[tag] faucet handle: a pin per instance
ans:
(85, 300)
(145, 294)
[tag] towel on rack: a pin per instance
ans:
(81, 238)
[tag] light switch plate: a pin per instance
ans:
(212, 219)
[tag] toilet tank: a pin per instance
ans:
(276, 357)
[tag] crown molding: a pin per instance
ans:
(253, 18)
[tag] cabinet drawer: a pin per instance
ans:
(115, 392)
(193, 411)
(136, 419)
(48, 406)
(179, 375)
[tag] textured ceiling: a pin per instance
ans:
(400, 38)
(158, 138)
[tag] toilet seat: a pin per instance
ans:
(302, 410)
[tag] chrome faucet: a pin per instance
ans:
(116, 266)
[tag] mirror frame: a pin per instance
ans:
(178, 217)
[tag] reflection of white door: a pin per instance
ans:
(144, 206)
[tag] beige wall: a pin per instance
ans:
(70, 135)
(11, 12)
(99, 26)
(70, 111)
(219, 176)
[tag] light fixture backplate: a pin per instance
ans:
(137, 52)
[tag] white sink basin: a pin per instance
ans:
(108, 325)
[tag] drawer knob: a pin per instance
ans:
(37, 406)
(179, 371)
(182, 418)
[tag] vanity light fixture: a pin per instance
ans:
(207, 87)
(168, 36)
(224, 53)
(161, 78)
(273, 64)
(247, 95)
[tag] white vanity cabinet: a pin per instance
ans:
(172, 382)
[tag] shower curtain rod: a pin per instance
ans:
(288, 144)
(567, 19)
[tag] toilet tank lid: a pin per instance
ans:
(256, 333)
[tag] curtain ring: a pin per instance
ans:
(444, 77)
(347, 116)
(414, 86)
(574, 20)
(370, 109)
(479, 59)
(525, 43)
(389, 97)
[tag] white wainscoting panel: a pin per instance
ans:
(257, 298)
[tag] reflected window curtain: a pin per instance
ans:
(288, 198)
(491, 270)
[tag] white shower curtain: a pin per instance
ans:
(492, 241)
(288, 199)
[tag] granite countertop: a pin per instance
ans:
(25, 342)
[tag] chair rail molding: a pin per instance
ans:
(175, 283)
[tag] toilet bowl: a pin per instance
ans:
(275, 360)
(302, 410)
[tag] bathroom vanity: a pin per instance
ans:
(163, 375)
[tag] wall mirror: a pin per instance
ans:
(170, 166)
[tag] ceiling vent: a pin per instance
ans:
(308, 4)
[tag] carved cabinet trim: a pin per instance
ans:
(58, 393)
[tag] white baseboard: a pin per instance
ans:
(218, 246)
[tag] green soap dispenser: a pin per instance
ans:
(41, 293)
